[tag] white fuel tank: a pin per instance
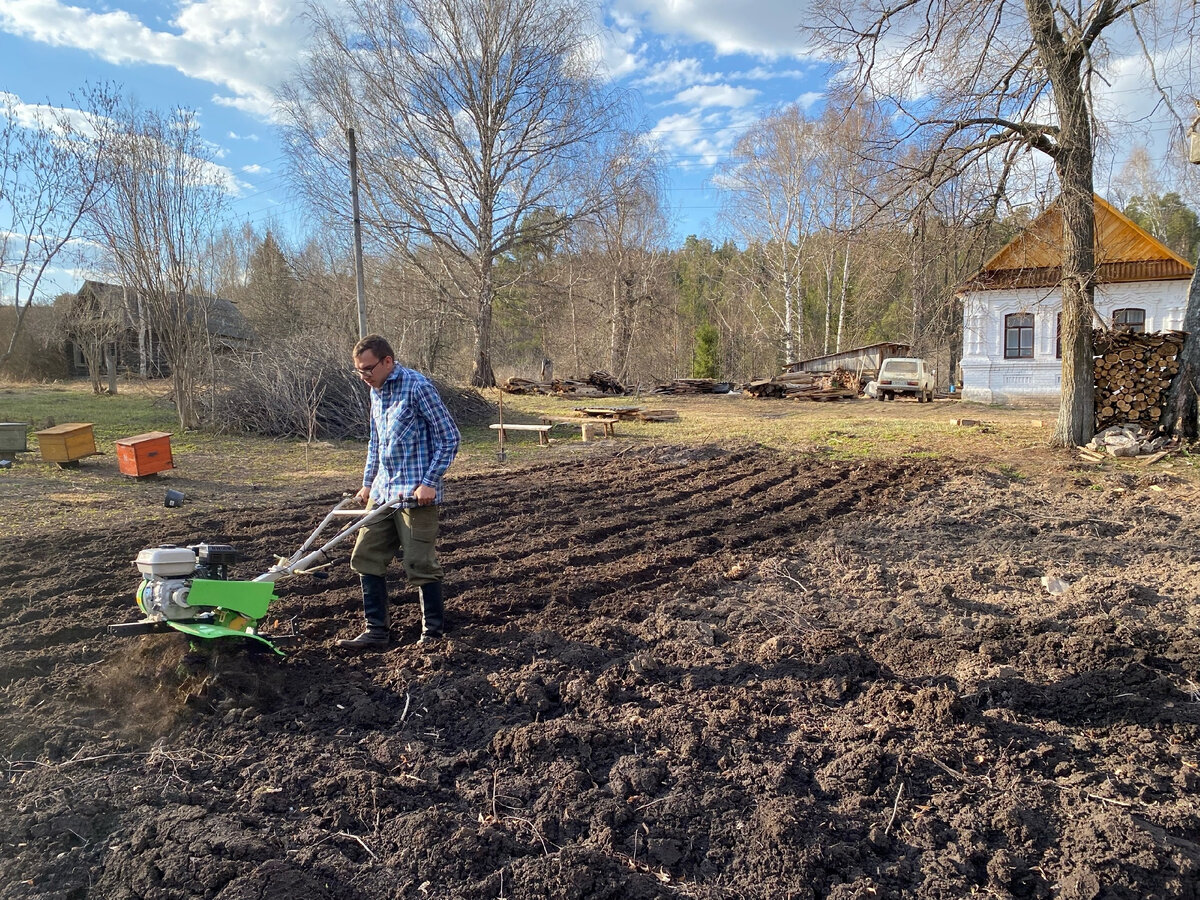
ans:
(166, 562)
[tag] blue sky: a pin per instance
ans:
(703, 70)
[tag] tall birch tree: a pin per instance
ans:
(768, 189)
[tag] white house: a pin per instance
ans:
(1011, 306)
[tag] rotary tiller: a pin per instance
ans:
(188, 589)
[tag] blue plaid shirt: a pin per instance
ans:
(413, 437)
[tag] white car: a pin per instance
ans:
(905, 375)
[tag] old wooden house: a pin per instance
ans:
(1011, 346)
(110, 320)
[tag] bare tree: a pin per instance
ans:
(95, 321)
(626, 239)
(50, 165)
(158, 219)
(844, 203)
(768, 187)
(472, 114)
(973, 77)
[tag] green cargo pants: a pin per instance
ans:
(408, 533)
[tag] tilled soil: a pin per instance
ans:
(671, 673)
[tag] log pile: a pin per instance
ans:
(1133, 373)
(839, 385)
(693, 386)
(598, 384)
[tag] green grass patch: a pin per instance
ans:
(112, 416)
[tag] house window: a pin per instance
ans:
(1129, 320)
(1018, 336)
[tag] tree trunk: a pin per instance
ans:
(1077, 412)
(842, 298)
(110, 356)
(829, 296)
(1073, 160)
(185, 406)
(482, 375)
(789, 326)
(1180, 413)
(614, 318)
(624, 307)
(93, 356)
(574, 317)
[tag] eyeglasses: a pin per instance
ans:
(366, 372)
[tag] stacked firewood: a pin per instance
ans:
(598, 384)
(1133, 373)
(839, 385)
(693, 386)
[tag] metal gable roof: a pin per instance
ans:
(1125, 252)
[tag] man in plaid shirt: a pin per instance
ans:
(413, 442)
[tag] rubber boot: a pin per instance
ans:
(375, 609)
(433, 612)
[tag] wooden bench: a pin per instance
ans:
(542, 430)
(582, 424)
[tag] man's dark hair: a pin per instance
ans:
(377, 344)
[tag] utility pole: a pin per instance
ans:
(358, 255)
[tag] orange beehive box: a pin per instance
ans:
(67, 443)
(145, 454)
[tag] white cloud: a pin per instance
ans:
(27, 115)
(700, 140)
(808, 99)
(687, 134)
(31, 115)
(244, 48)
(766, 73)
(767, 28)
(676, 73)
(234, 136)
(617, 49)
(256, 169)
(717, 95)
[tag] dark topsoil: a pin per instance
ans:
(672, 673)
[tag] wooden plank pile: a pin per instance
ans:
(839, 385)
(658, 415)
(1126, 441)
(598, 384)
(693, 386)
(628, 413)
(1133, 373)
